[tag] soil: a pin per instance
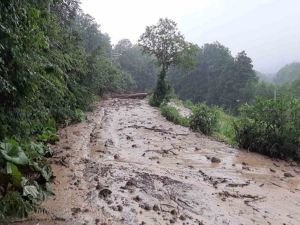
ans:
(126, 164)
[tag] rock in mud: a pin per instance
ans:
(128, 137)
(215, 160)
(108, 142)
(173, 212)
(75, 210)
(145, 206)
(131, 183)
(182, 217)
(155, 208)
(104, 193)
(287, 174)
(137, 198)
(116, 157)
(272, 170)
(99, 187)
(119, 208)
(172, 221)
(246, 168)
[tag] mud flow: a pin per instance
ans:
(127, 165)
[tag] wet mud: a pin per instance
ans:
(127, 165)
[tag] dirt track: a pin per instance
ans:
(127, 165)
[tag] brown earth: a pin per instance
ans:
(127, 165)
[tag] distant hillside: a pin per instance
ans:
(265, 77)
(290, 72)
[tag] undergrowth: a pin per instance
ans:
(25, 177)
(212, 121)
(172, 114)
(270, 127)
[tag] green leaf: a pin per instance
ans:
(45, 171)
(13, 153)
(16, 175)
(31, 191)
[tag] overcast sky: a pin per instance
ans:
(268, 30)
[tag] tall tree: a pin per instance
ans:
(165, 42)
(122, 46)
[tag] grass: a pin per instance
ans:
(172, 114)
(223, 130)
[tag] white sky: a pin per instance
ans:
(268, 30)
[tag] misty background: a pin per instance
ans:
(268, 30)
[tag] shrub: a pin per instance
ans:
(203, 119)
(271, 127)
(172, 114)
(161, 91)
(24, 178)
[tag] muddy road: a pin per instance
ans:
(127, 165)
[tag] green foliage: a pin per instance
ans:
(217, 79)
(172, 114)
(161, 91)
(24, 178)
(203, 119)
(141, 67)
(271, 127)
(79, 115)
(166, 43)
(225, 129)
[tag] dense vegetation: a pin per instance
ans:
(53, 60)
(141, 67)
(271, 127)
(218, 78)
(207, 120)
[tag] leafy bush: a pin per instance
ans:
(79, 115)
(24, 178)
(271, 127)
(172, 114)
(203, 119)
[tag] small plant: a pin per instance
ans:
(79, 115)
(172, 114)
(203, 119)
(47, 134)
